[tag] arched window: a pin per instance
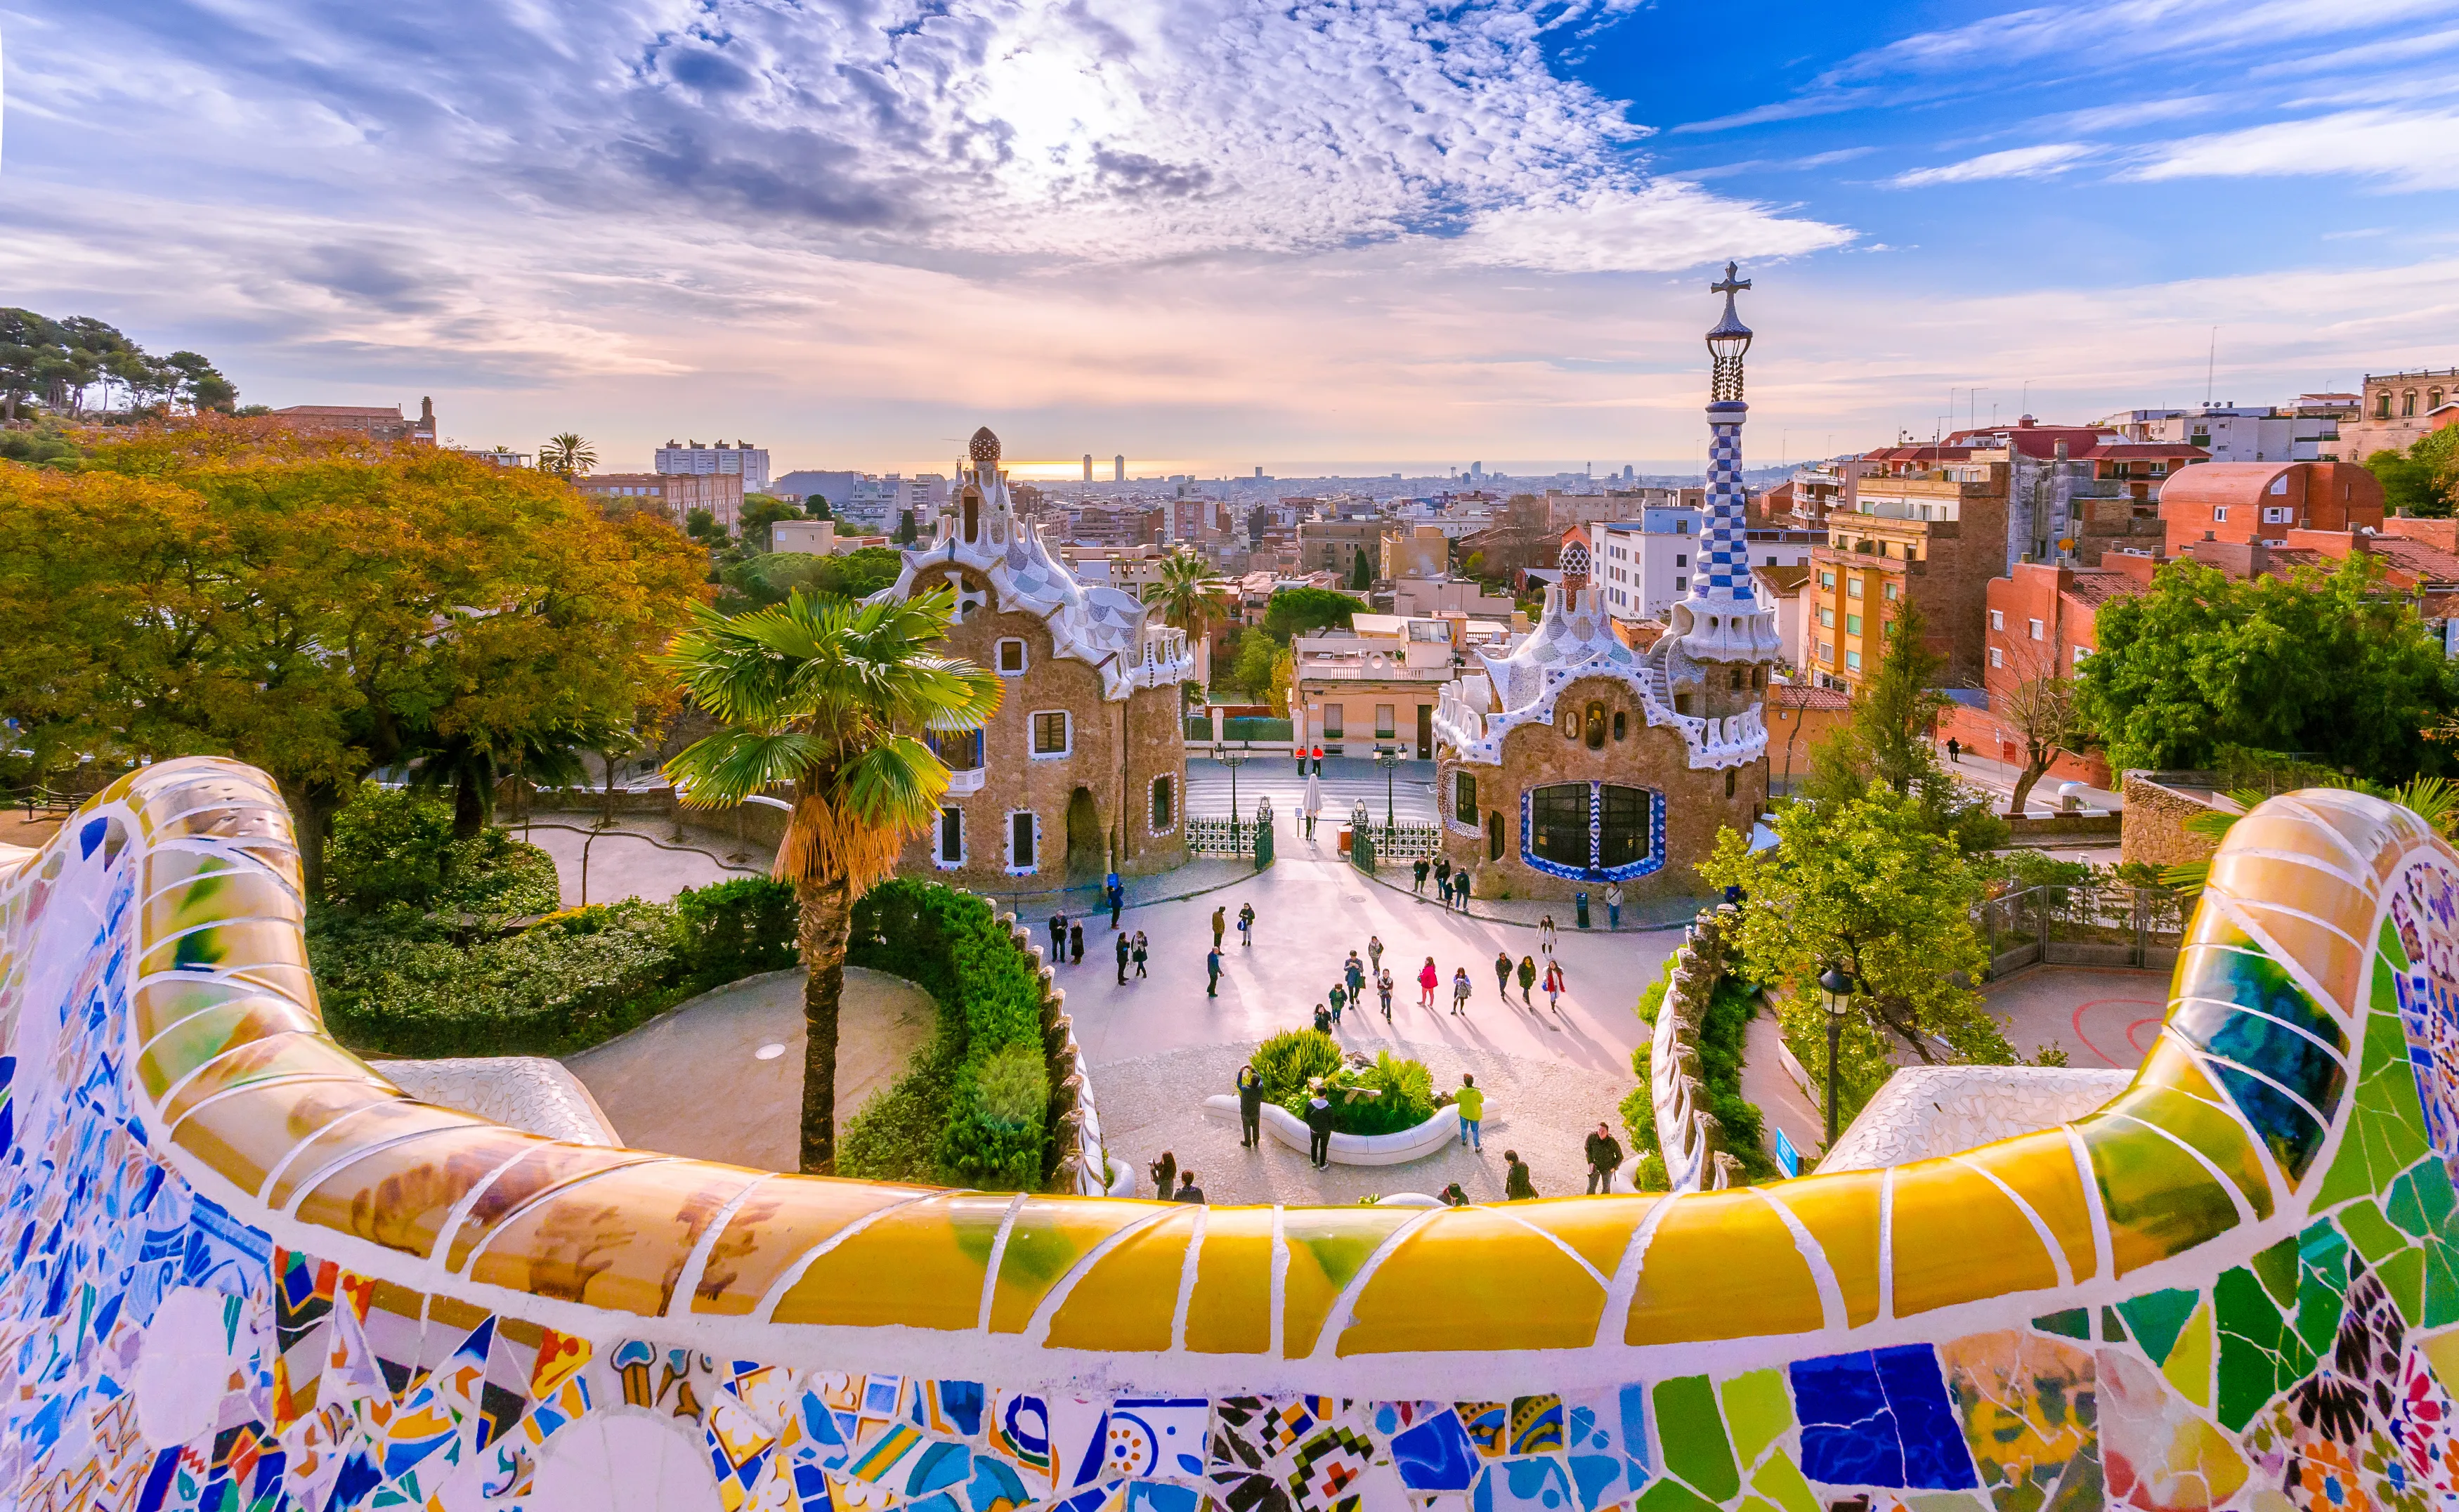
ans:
(1494, 836)
(1596, 726)
(1730, 775)
(1165, 805)
(973, 515)
(952, 837)
(1737, 680)
(1621, 723)
(1464, 798)
(1569, 723)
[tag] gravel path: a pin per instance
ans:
(1542, 1109)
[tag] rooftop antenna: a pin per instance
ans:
(2210, 359)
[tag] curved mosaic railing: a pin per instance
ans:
(245, 1270)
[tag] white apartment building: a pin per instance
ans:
(2229, 433)
(877, 502)
(1641, 567)
(743, 457)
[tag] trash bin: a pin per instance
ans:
(1344, 839)
(1580, 908)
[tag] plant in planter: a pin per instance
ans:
(1382, 1095)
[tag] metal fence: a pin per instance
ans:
(1220, 836)
(2084, 925)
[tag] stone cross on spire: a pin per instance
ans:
(1731, 286)
(1721, 619)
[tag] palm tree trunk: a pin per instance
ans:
(827, 923)
(469, 808)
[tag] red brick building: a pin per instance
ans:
(375, 422)
(2265, 501)
(673, 494)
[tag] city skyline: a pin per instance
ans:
(1230, 235)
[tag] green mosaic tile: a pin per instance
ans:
(2083, 1486)
(2393, 951)
(2158, 1204)
(2112, 1330)
(1780, 1481)
(2370, 1231)
(2276, 1268)
(2420, 1200)
(1694, 1437)
(2441, 1283)
(2322, 1286)
(1668, 1495)
(1946, 1502)
(2261, 1355)
(2074, 1323)
(2385, 1123)
(2155, 1318)
(1757, 1410)
(2403, 1277)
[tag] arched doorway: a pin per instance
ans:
(1087, 856)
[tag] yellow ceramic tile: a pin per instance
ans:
(2332, 959)
(201, 1037)
(247, 1134)
(1721, 1265)
(618, 1242)
(1471, 1279)
(540, 1167)
(1955, 1237)
(919, 1266)
(2041, 1169)
(171, 867)
(1128, 1298)
(782, 1221)
(1599, 1229)
(307, 1054)
(393, 1116)
(249, 895)
(2296, 831)
(2159, 1200)
(1231, 1310)
(234, 946)
(2288, 884)
(168, 1000)
(1050, 1237)
(400, 1194)
(2189, 1107)
(248, 822)
(1841, 1212)
(2371, 827)
(1327, 1247)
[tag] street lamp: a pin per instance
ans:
(1388, 757)
(1232, 759)
(1836, 989)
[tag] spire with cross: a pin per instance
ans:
(1721, 618)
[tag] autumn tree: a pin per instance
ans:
(322, 612)
(2046, 717)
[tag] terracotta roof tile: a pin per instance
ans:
(1807, 696)
(2096, 588)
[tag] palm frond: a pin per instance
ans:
(724, 769)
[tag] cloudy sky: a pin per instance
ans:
(1223, 234)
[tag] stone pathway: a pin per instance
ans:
(692, 1081)
(1544, 1109)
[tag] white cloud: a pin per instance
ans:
(2015, 162)
(2400, 149)
(2109, 32)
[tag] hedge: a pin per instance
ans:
(399, 983)
(1731, 1007)
(975, 1110)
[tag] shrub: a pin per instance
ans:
(896, 1137)
(735, 929)
(1287, 1061)
(392, 849)
(1731, 1006)
(994, 1121)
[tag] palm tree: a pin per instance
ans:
(567, 456)
(833, 697)
(1190, 596)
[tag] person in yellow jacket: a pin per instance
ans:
(1471, 1104)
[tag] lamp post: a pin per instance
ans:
(1232, 759)
(1836, 989)
(1388, 757)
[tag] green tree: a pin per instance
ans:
(1292, 612)
(1190, 596)
(2325, 665)
(772, 577)
(2423, 480)
(700, 525)
(1361, 572)
(815, 506)
(31, 352)
(760, 511)
(831, 699)
(201, 383)
(1872, 886)
(906, 530)
(567, 456)
(1885, 747)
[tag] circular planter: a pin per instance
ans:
(1395, 1149)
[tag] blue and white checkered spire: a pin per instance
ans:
(1721, 619)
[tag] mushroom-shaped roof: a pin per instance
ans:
(985, 450)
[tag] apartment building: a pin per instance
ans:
(2265, 501)
(1414, 551)
(1333, 545)
(671, 494)
(2395, 410)
(1933, 538)
(1376, 683)
(742, 460)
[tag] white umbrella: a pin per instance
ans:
(1313, 802)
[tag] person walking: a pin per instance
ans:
(1420, 871)
(1353, 974)
(1613, 905)
(1605, 1153)
(1339, 998)
(1460, 889)
(1250, 1108)
(1319, 1122)
(1165, 1174)
(1502, 974)
(1554, 985)
(1470, 1103)
(1527, 979)
(1443, 880)
(1125, 950)
(1374, 953)
(1213, 970)
(1322, 1019)
(1245, 925)
(1516, 1185)
(1220, 925)
(1076, 941)
(1142, 950)
(1058, 938)
(1954, 749)
(1383, 990)
(1460, 990)
(1429, 977)
(1545, 936)
(1187, 1190)
(1118, 898)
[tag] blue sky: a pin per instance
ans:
(1216, 235)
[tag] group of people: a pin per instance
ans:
(1348, 988)
(1452, 890)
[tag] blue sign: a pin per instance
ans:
(1786, 1155)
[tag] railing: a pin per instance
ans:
(2083, 925)
(1220, 836)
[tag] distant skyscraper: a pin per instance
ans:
(1118, 468)
(1259, 472)
(1089, 467)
